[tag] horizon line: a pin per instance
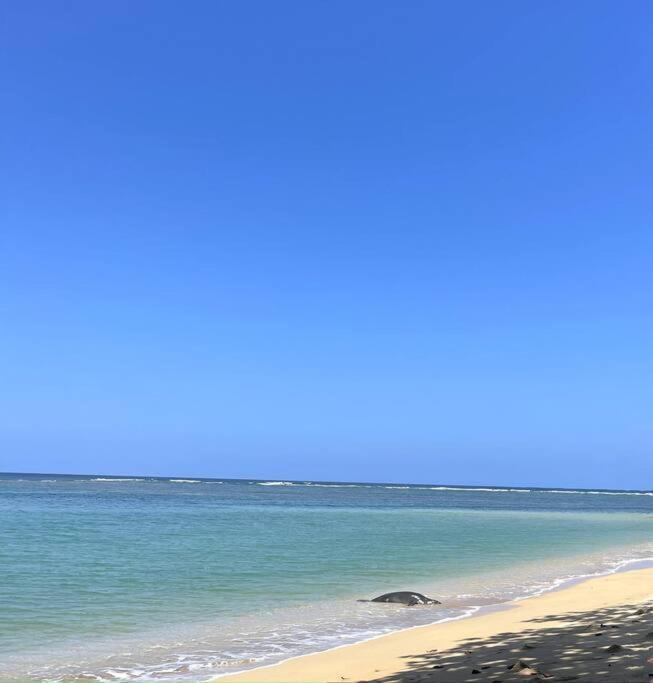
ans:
(322, 481)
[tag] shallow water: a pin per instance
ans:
(185, 578)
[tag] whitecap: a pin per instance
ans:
(601, 493)
(114, 479)
(276, 483)
(336, 486)
(474, 490)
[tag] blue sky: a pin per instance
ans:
(377, 241)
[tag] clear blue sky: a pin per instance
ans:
(387, 241)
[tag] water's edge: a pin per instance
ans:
(473, 611)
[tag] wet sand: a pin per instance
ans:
(597, 630)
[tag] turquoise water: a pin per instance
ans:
(133, 579)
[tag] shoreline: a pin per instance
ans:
(384, 657)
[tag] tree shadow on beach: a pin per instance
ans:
(610, 644)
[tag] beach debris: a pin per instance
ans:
(522, 668)
(649, 635)
(408, 598)
(529, 646)
(644, 610)
(519, 664)
(476, 671)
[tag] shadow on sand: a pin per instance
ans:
(602, 645)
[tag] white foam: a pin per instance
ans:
(337, 486)
(472, 490)
(313, 484)
(276, 483)
(600, 493)
(362, 638)
(114, 479)
(466, 489)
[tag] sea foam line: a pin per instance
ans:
(468, 612)
(112, 479)
(275, 483)
(471, 489)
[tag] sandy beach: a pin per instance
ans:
(599, 629)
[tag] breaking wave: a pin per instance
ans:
(114, 479)
(275, 483)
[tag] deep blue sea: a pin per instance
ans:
(149, 578)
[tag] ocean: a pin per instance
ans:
(141, 578)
